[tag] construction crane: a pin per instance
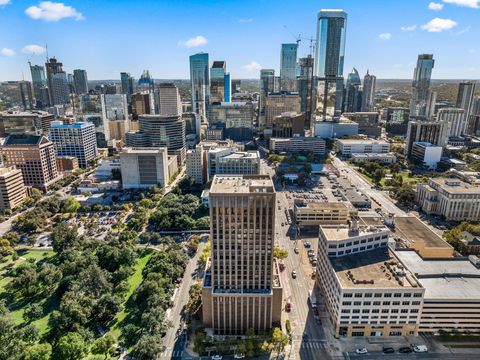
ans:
(300, 38)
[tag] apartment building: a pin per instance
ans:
(144, 167)
(347, 147)
(195, 164)
(298, 144)
(241, 163)
(367, 291)
(12, 188)
(241, 286)
(451, 198)
(313, 214)
(34, 155)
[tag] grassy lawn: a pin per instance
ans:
(134, 281)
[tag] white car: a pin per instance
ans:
(420, 348)
(361, 351)
(217, 357)
(239, 356)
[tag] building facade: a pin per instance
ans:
(267, 85)
(234, 118)
(239, 163)
(298, 145)
(169, 100)
(200, 83)
(288, 124)
(144, 167)
(368, 94)
(217, 81)
(12, 188)
(195, 164)
(57, 83)
(80, 81)
(347, 147)
(25, 122)
(421, 85)
(434, 132)
(426, 153)
(288, 63)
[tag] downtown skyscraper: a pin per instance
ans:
(465, 101)
(39, 83)
(57, 83)
(421, 102)
(368, 92)
(241, 287)
(80, 81)
(288, 62)
(267, 85)
(217, 81)
(200, 83)
(329, 61)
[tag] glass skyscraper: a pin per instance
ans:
(39, 83)
(200, 83)
(288, 62)
(267, 85)
(329, 60)
(228, 88)
(217, 81)
(80, 81)
(421, 85)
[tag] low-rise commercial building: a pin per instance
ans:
(144, 167)
(388, 158)
(368, 122)
(288, 124)
(451, 198)
(347, 147)
(367, 291)
(334, 129)
(298, 144)
(25, 123)
(426, 153)
(308, 214)
(239, 163)
(66, 163)
(12, 188)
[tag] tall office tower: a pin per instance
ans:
(114, 106)
(26, 95)
(431, 102)
(80, 81)
(200, 83)
(146, 82)
(71, 85)
(368, 93)
(76, 140)
(39, 82)
(476, 106)
(217, 81)
(433, 132)
(141, 105)
(267, 85)
(288, 63)
(228, 88)
(34, 155)
(278, 103)
(169, 99)
(456, 120)
(306, 89)
(329, 59)
(421, 85)
(241, 286)
(236, 86)
(353, 92)
(57, 83)
(12, 188)
(465, 97)
(128, 84)
(194, 165)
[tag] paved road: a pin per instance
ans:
(381, 356)
(363, 185)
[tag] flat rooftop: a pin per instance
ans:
(323, 206)
(377, 268)
(362, 142)
(238, 184)
(444, 279)
(342, 232)
(243, 155)
(454, 186)
(146, 150)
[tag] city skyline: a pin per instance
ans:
(388, 46)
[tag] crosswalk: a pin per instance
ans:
(171, 354)
(313, 345)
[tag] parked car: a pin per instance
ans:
(307, 244)
(239, 356)
(405, 350)
(217, 357)
(361, 351)
(419, 348)
(388, 350)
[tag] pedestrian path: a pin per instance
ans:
(169, 353)
(313, 345)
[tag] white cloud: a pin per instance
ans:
(385, 36)
(4, 2)
(409, 28)
(439, 24)
(7, 52)
(253, 66)
(196, 41)
(242, 21)
(463, 31)
(53, 11)
(475, 4)
(435, 6)
(33, 49)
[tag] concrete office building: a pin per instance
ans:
(451, 198)
(213, 156)
(57, 83)
(76, 140)
(12, 188)
(239, 163)
(347, 147)
(80, 81)
(456, 120)
(288, 124)
(234, 118)
(452, 292)
(200, 83)
(368, 93)
(34, 155)
(367, 291)
(314, 214)
(241, 286)
(307, 89)
(279, 102)
(388, 158)
(434, 132)
(298, 144)
(397, 121)
(169, 100)
(143, 168)
(288, 63)
(25, 122)
(141, 105)
(195, 164)
(368, 122)
(426, 153)
(66, 163)
(334, 129)
(421, 85)
(329, 61)
(114, 107)
(267, 85)
(217, 81)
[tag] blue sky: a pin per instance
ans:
(106, 37)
